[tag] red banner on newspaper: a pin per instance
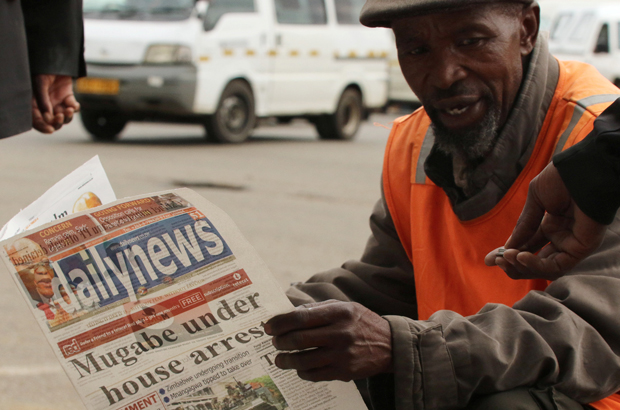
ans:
(127, 212)
(51, 240)
(146, 313)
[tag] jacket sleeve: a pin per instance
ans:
(55, 35)
(382, 280)
(591, 169)
(567, 337)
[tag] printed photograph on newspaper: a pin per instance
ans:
(157, 302)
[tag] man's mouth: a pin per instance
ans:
(461, 113)
(456, 111)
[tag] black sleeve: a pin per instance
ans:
(55, 35)
(591, 169)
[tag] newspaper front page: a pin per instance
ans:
(157, 302)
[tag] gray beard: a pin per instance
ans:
(470, 144)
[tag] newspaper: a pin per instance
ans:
(157, 302)
(86, 187)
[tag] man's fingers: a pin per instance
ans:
(304, 339)
(313, 365)
(38, 123)
(490, 259)
(59, 120)
(303, 317)
(550, 268)
(41, 85)
(71, 102)
(69, 112)
(528, 223)
(306, 360)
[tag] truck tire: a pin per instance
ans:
(234, 119)
(344, 123)
(103, 126)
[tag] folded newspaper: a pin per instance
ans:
(154, 302)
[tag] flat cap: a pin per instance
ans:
(380, 13)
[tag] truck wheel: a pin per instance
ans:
(234, 119)
(344, 123)
(102, 125)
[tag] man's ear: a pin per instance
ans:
(530, 22)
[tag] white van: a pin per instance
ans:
(589, 34)
(227, 64)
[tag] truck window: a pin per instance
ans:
(348, 11)
(301, 12)
(158, 10)
(560, 25)
(602, 41)
(583, 28)
(217, 8)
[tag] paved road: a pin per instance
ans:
(303, 203)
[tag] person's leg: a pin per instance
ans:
(526, 398)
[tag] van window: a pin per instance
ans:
(348, 11)
(583, 28)
(602, 41)
(217, 8)
(300, 12)
(138, 9)
(561, 25)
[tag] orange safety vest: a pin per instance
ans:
(448, 254)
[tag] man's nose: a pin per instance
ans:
(447, 70)
(40, 270)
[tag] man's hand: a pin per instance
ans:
(53, 102)
(338, 341)
(564, 237)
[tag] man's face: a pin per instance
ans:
(34, 262)
(43, 275)
(466, 67)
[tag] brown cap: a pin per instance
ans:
(380, 13)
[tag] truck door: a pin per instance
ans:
(302, 77)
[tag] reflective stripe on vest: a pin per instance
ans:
(427, 145)
(580, 109)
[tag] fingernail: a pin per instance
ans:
(267, 328)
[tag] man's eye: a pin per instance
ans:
(471, 41)
(418, 50)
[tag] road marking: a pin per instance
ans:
(29, 371)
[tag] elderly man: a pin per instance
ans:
(420, 317)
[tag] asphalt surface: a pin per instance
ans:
(302, 202)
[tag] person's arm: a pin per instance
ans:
(54, 30)
(382, 281)
(567, 337)
(568, 205)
